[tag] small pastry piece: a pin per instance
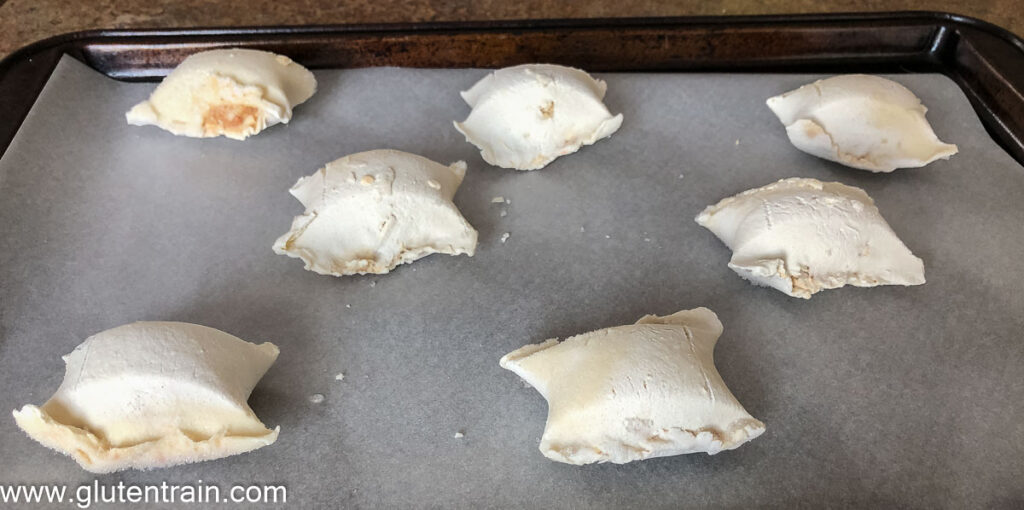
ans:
(154, 394)
(526, 116)
(236, 93)
(803, 235)
(635, 392)
(860, 121)
(371, 211)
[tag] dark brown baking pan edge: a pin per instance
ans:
(986, 61)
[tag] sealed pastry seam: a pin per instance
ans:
(98, 456)
(634, 392)
(154, 394)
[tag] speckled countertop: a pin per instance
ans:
(25, 21)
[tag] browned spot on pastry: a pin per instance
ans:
(84, 456)
(804, 283)
(230, 118)
(812, 130)
(548, 110)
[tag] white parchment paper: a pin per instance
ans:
(879, 397)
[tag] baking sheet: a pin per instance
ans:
(889, 396)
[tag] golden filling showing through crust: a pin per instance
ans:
(238, 119)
